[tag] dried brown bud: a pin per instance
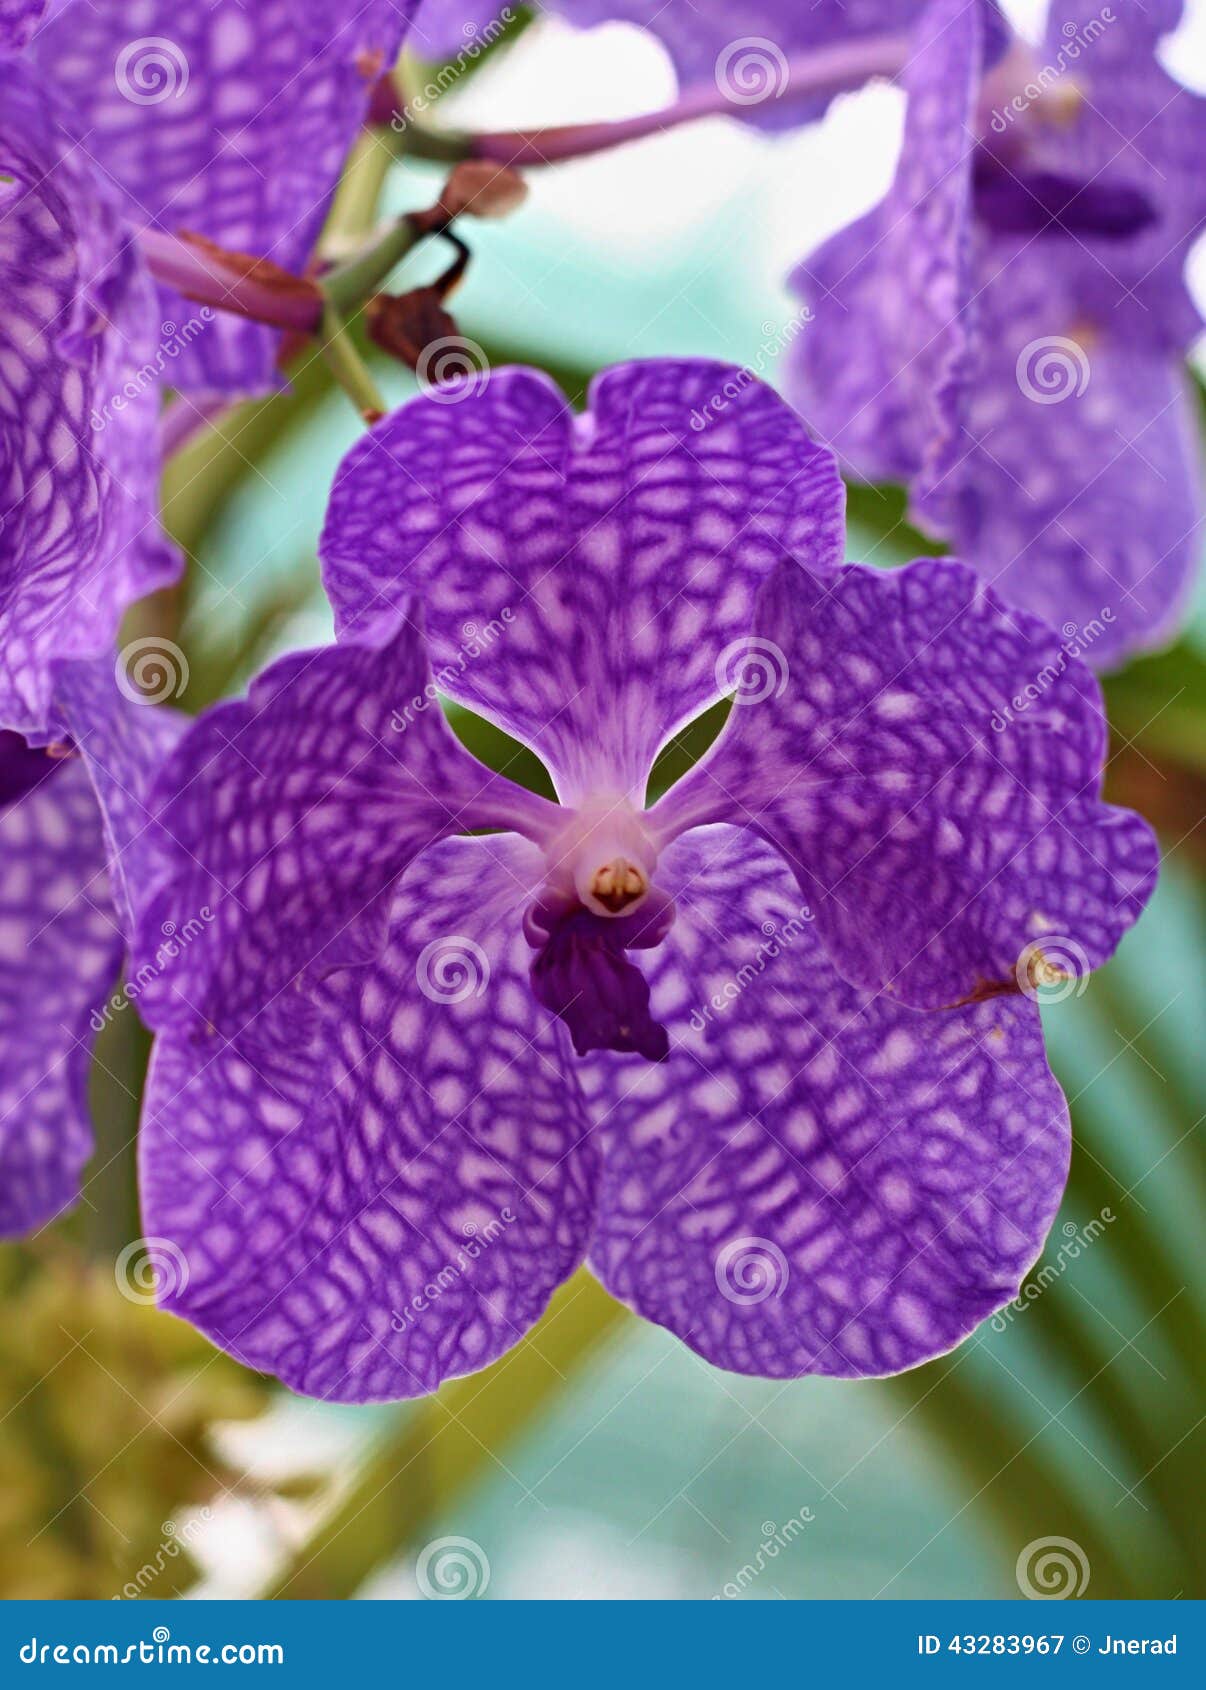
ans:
(405, 325)
(478, 188)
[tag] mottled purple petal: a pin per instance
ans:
(79, 539)
(929, 763)
(18, 19)
(442, 27)
(284, 821)
(226, 119)
(815, 1181)
(123, 741)
(60, 950)
(1078, 488)
(390, 1201)
(582, 577)
(1133, 123)
(881, 375)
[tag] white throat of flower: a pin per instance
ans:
(604, 856)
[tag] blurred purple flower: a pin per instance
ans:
(1006, 332)
(79, 406)
(228, 120)
(415, 1069)
(74, 849)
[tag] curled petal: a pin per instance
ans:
(1079, 491)
(883, 371)
(123, 742)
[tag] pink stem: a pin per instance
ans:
(823, 70)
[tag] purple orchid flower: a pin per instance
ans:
(416, 1069)
(224, 120)
(79, 457)
(1006, 332)
(74, 845)
(18, 20)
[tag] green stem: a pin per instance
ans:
(347, 286)
(115, 1087)
(347, 366)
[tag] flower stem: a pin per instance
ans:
(825, 70)
(347, 366)
(347, 286)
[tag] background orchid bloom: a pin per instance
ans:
(224, 120)
(75, 846)
(1006, 332)
(79, 456)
